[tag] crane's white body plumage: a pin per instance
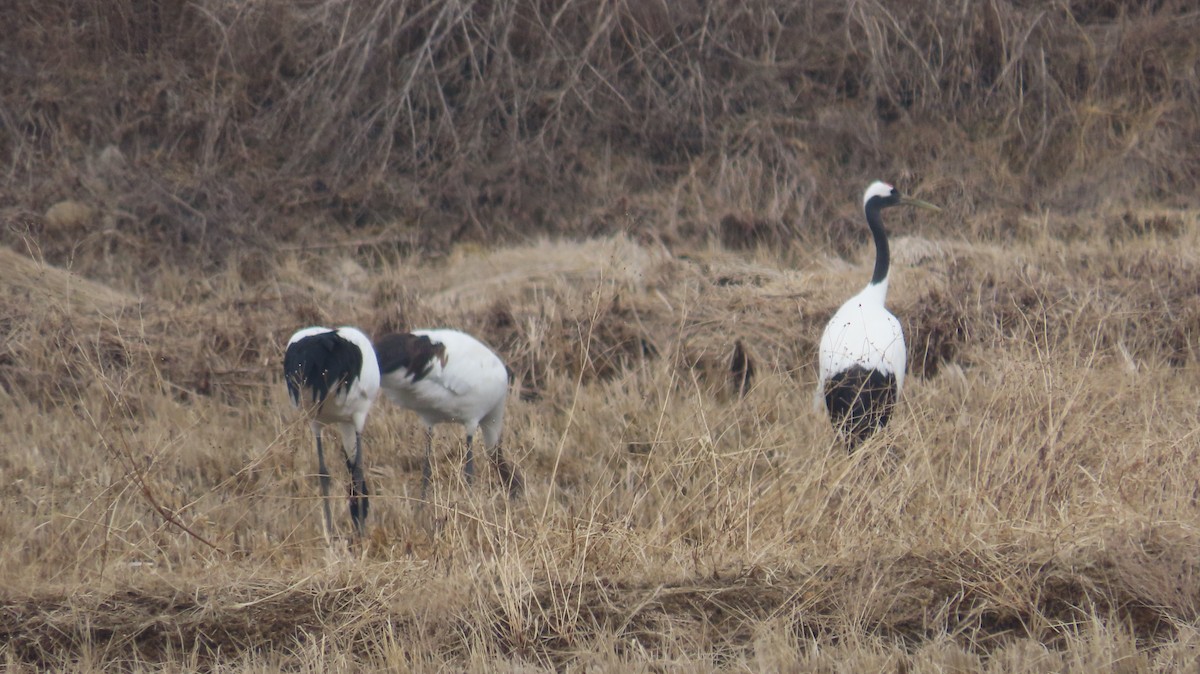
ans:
(467, 386)
(863, 333)
(447, 376)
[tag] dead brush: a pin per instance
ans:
(433, 123)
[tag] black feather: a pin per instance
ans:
(321, 363)
(412, 353)
(860, 402)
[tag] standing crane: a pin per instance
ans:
(334, 376)
(449, 376)
(862, 353)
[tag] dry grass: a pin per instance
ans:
(613, 195)
(1033, 507)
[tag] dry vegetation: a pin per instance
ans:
(612, 194)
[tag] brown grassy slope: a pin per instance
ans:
(192, 130)
(1032, 507)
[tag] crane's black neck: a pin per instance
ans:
(882, 260)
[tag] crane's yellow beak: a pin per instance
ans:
(920, 204)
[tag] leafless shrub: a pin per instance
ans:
(249, 122)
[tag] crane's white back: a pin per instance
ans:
(462, 381)
(863, 333)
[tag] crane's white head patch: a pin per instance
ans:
(878, 189)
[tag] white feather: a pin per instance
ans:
(877, 189)
(469, 387)
(864, 333)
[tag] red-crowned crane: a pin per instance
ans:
(449, 376)
(862, 350)
(334, 376)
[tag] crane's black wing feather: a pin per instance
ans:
(321, 363)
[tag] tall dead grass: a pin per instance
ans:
(1032, 506)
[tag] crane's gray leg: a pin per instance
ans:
(323, 475)
(358, 489)
(470, 467)
(427, 469)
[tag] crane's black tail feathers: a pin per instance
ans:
(860, 402)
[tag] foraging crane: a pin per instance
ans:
(449, 376)
(334, 376)
(862, 350)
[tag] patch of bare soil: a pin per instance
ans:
(158, 624)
